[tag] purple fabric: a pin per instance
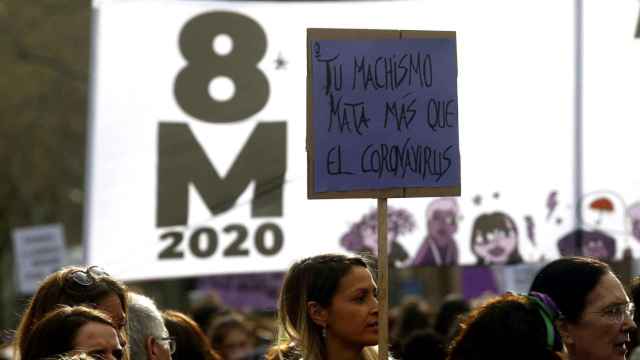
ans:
(250, 292)
(548, 302)
(478, 281)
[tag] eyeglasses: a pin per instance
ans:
(617, 313)
(172, 343)
(87, 277)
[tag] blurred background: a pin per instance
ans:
(548, 132)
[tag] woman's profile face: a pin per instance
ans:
(353, 313)
(602, 332)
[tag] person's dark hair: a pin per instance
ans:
(54, 334)
(453, 307)
(64, 288)
(206, 306)
(423, 342)
(414, 314)
(312, 279)
(191, 342)
(568, 281)
(506, 327)
(223, 325)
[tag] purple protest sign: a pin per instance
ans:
(384, 113)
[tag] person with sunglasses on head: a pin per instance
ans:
(74, 285)
(597, 313)
(67, 329)
(511, 326)
(149, 338)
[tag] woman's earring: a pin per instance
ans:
(324, 332)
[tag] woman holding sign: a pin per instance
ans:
(328, 310)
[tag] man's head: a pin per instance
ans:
(148, 337)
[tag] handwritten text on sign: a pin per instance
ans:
(385, 114)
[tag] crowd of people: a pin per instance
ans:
(328, 309)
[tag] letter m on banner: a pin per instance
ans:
(182, 161)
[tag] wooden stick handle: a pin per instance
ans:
(383, 282)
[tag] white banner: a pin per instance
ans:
(611, 204)
(197, 137)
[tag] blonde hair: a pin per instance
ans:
(311, 279)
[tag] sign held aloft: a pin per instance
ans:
(382, 114)
(382, 121)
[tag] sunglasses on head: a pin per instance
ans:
(88, 276)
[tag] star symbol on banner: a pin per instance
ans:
(281, 63)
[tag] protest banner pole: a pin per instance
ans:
(383, 282)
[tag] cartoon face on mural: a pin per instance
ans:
(604, 210)
(603, 207)
(439, 247)
(441, 225)
(494, 239)
(363, 235)
(587, 243)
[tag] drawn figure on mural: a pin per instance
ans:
(531, 229)
(594, 243)
(634, 216)
(552, 203)
(363, 235)
(601, 219)
(494, 239)
(603, 207)
(439, 247)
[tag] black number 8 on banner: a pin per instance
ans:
(204, 65)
